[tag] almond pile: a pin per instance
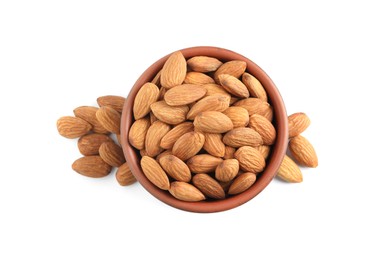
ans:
(94, 127)
(203, 128)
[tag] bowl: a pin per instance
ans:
(273, 162)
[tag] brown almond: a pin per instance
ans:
(264, 150)
(225, 185)
(164, 153)
(229, 152)
(303, 151)
(175, 168)
(250, 159)
(238, 115)
(162, 93)
(188, 145)
(147, 95)
(289, 171)
(154, 173)
(198, 78)
(227, 170)
(152, 117)
(233, 85)
(109, 118)
(210, 103)
(88, 114)
(168, 114)
(297, 123)
(138, 132)
(72, 127)
(234, 68)
(143, 152)
(208, 186)
(115, 102)
(242, 183)
(185, 191)
(92, 166)
(156, 79)
(264, 127)
(172, 136)
(153, 138)
(90, 144)
(213, 144)
(174, 70)
(112, 154)
(242, 136)
(213, 122)
(256, 106)
(124, 176)
(203, 64)
(184, 94)
(254, 87)
(212, 89)
(203, 163)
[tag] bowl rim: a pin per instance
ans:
(274, 160)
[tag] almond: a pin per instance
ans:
(198, 78)
(303, 151)
(143, 152)
(250, 159)
(213, 122)
(188, 145)
(184, 94)
(88, 114)
(211, 103)
(72, 127)
(174, 70)
(264, 150)
(172, 136)
(242, 183)
(161, 94)
(297, 123)
(164, 153)
(112, 154)
(264, 128)
(213, 144)
(168, 114)
(233, 85)
(115, 102)
(92, 166)
(225, 185)
(175, 168)
(289, 171)
(147, 95)
(185, 191)
(124, 176)
(254, 87)
(234, 68)
(242, 136)
(153, 138)
(203, 163)
(212, 89)
(256, 106)
(208, 186)
(119, 141)
(229, 152)
(152, 117)
(227, 170)
(154, 173)
(156, 79)
(109, 118)
(238, 116)
(90, 144)
(203, 64)
(138, 132)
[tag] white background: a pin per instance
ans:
(57, 55)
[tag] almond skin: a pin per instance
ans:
(297, 123)
(185, 191)
(153, 138)
(213, 122)
(124, 176)
(254, 87)
(242, 183)
(210, 103)
(250, 159)
(212, 89)
(203, 64)
(92, 166)
(203, 163)
(174, 70)
(115, 102)
(227, 170)
(303, 151)
(229, 152)
(90, 144)
(175, 168)
(88, 114)
(164, 153)
(156, 79)
(264, 150)
(233, 85)
(138, 132)
(184, 94)
(188, 145)
(198, 78)
(239, 116)
(208, 186)
(242, 136)
(112, 154)
(256, 106)
(213, 144)
(168, 114)
(234, 68)
(173, 135)
(72, 127)
(109, 118)
(264, 127)
(289, 171)
(147, 95)
(155, 174)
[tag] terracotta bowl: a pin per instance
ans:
(273, 162)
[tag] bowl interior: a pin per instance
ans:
(273, 161)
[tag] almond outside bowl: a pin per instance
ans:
(273, 162)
